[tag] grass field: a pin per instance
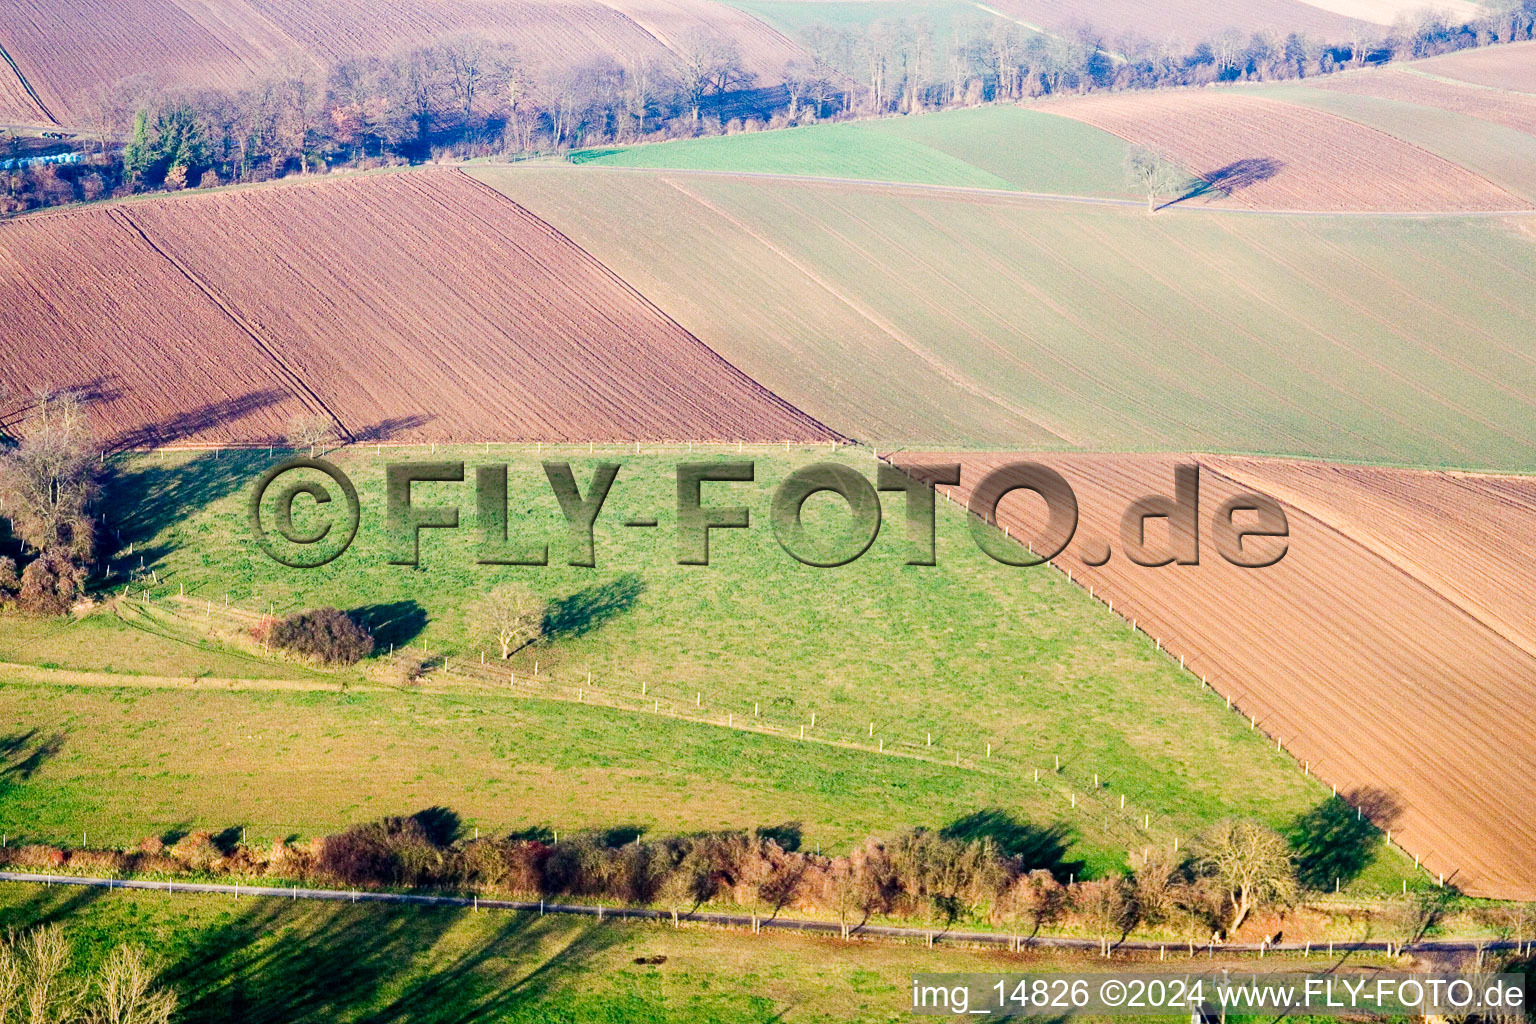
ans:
(269, 962)
(902, 318)
(1002, 147)
(929, 662)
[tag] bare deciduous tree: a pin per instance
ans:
(310, 430)
(512, 616)
(1253, 864)
(36, 987)
(1153, 174)
(48, 481)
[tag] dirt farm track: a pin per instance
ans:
(415, 306)
(1391, 665)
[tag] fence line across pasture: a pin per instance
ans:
(930, 936)
(1232, 703)
(1119, 817)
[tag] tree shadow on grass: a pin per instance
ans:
(586, 610)
(145, 499)
(392, 625)
(285, 963)
(23, 753)
(1041, 847)
(1336, 840)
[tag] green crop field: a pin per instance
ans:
(997, 147)
(907, 318)
(904, 668)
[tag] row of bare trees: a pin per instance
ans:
(469, 96)
(1235, 869)
(40, 984)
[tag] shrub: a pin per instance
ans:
(326, 634)
(50, 585)
(10, 580)
(197, 851)
(393, 851)
(406, 667)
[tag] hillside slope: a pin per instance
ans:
(68, 49)
(911, 316)
(417, 306)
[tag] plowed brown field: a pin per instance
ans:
(1382, 680)
(1511, 109)
(1276, 155)
(67, 50)
(88, 303)
(1510, 66)
(1469, 536)
(16, 107)
(416, 306)
(1189, 20)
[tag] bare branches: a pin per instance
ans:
(48, 482)
(1153, 174)
(513, 617)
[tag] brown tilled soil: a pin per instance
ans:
(1511, 109)
(1379, 664)
(415, 306)
(1188, 20)
(1500, 67)
(1468, 536)
(69, 50)
(1267, 154)
(89, 304)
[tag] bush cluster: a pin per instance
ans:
(914, 875)
(328, 635)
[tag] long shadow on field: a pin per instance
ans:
(582, 612)
(286, 963)
(1335, 841)
(1042, 847)
(32, 906)
(393, 625)
(1233, 178)
(384, 430)
(149, 496)
(193, 422)
(23, 753)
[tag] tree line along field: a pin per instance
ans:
(903, 668)
(996, 147)
(401, 306)
(909, 317)
(68, 52)
(1395, 139)
(1389, 674)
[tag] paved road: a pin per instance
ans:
(734, 920)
